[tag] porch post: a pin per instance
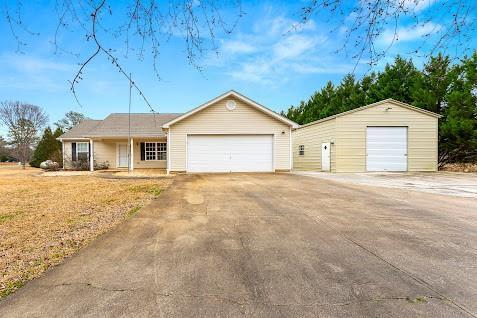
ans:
(63, 152)
(91, 155)
(168, 150)
(131, 164)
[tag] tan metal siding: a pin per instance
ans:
(351, 137)
(312, 137)
(216, 119)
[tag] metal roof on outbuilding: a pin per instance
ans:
(389, 100)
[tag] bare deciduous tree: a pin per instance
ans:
(70, 120)
(23, 122)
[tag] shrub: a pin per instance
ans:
(82, 164)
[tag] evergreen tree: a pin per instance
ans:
(397, 81)
(458, 128)
(57, 155)
(47, 148)
(433, 84)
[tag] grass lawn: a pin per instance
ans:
(45, 219)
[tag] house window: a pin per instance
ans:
(82, 150)
(156, 151)
(301, 150)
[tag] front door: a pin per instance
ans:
(122, 155)
(325, 156)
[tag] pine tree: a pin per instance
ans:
(397, 81)
(47, 148)
(433, 84)
(458, 128)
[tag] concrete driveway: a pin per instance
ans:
(447, 183)
(276, 245)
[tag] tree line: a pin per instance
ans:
(24, 123)
(441, 86)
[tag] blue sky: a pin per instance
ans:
(264, 58)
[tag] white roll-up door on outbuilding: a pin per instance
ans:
(386, 149)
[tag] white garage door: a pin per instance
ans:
(229, 153)
(386, 149)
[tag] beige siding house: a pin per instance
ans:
(230, 133)
(384, 136)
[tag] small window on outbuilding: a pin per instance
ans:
(301, 150)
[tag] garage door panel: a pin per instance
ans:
(229, 153)
(386, 149)
(382, 152)
(387, 135)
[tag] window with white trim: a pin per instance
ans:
(301, 150)
(155, 151)
(82, 150)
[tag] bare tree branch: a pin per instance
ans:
(143, 26)
(366, 22)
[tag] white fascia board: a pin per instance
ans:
(238, 96)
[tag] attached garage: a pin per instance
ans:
(385, 136)
(229, 153)
(230, 133)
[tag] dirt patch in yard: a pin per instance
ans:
(45, 219)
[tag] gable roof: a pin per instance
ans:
(142, 125)
(117, 125)
(239, 96)
(79, 130)
(385, 101)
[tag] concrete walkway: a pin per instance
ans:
(271, 245)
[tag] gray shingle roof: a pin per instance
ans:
(116, 125)
(81, 129)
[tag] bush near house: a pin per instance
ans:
(82, 164)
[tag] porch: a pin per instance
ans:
(141, 153)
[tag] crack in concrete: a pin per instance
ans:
(419, 280)
(397, 268)
(246, 302)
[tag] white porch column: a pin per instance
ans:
(63, 152)
(131, 163)
(168, 150)
(91, 155)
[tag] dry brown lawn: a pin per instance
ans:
(45, 219)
